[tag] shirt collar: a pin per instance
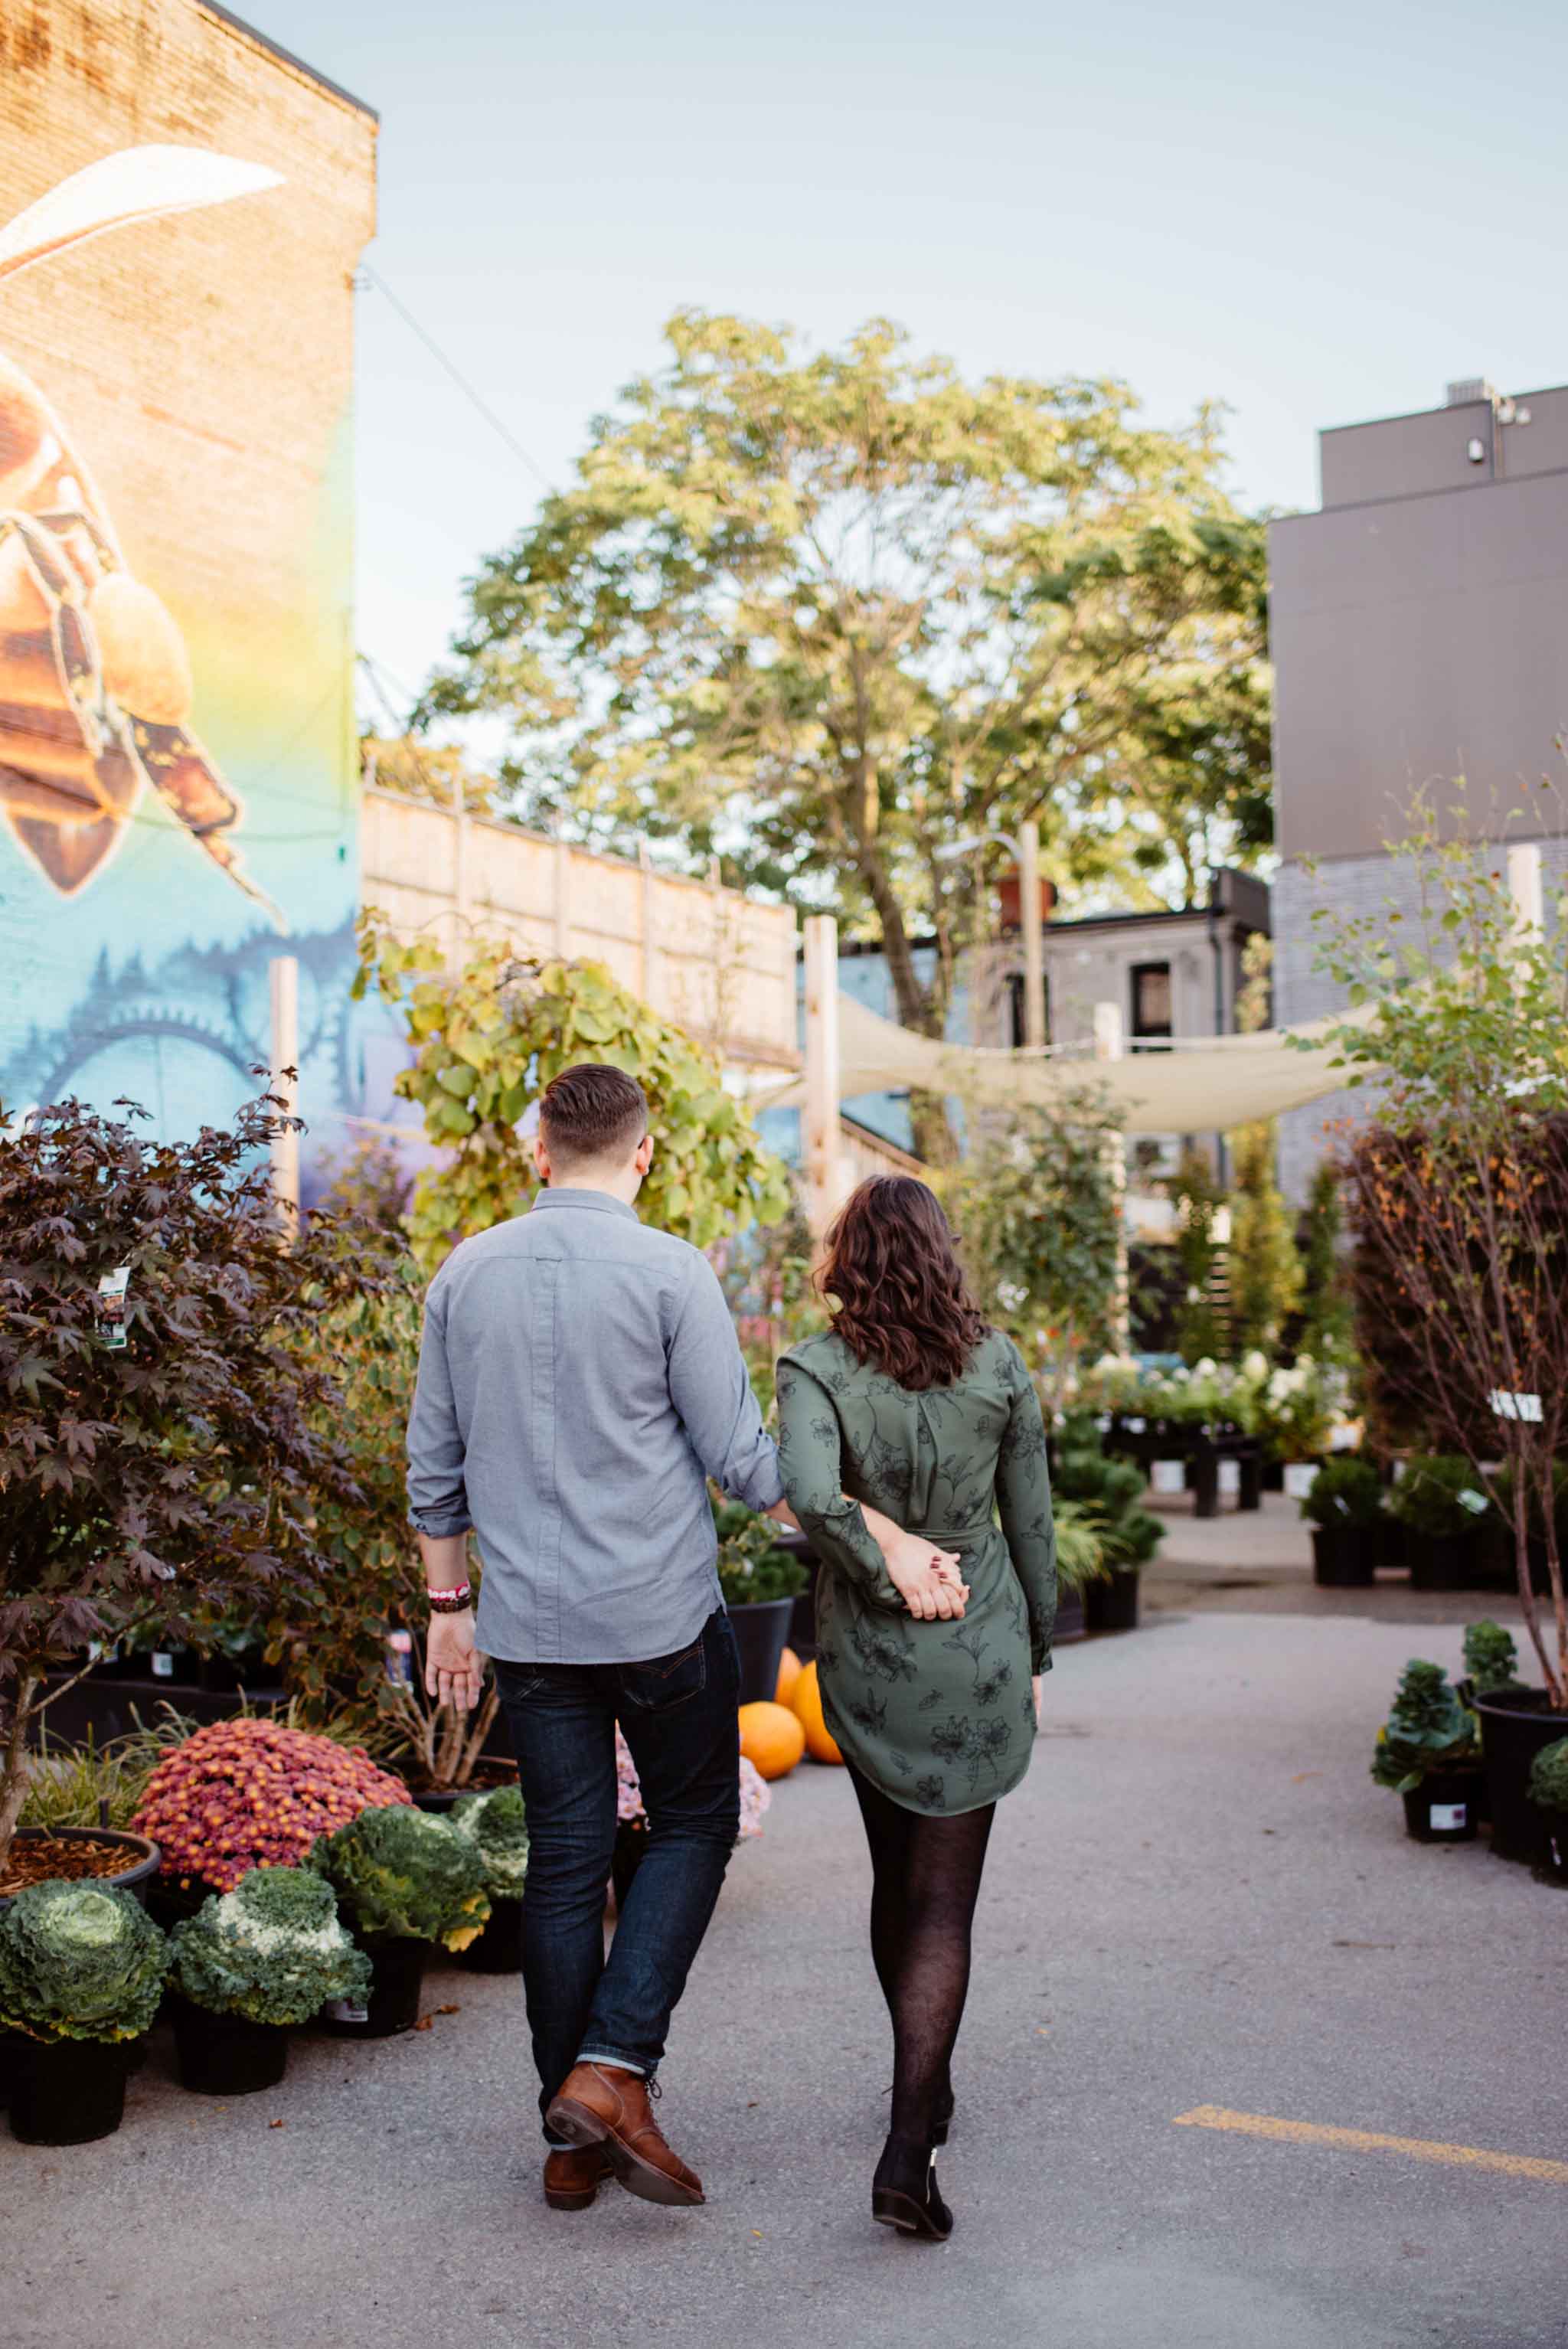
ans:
(563, 1195)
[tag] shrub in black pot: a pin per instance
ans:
(1548, 1793)
(251, 1962)
(1106, 1496)
(1443, 1512)
(496, 1827)
(1427, 1751)
(404, 1879)
(1345, 1509)
(81, 1973)
(760, 1583)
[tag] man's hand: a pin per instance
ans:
(454, 1669)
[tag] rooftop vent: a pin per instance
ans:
(1467, 390)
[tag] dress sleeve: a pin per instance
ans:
(1023, 1503)
(810, 1461)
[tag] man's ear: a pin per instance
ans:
(541, 1158)
(645, 1157)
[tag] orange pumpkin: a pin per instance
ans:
(820, 1743)
(771, 1737)
(788, 1674)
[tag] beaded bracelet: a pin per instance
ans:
(448, 1602)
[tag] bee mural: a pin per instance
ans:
(95, 689)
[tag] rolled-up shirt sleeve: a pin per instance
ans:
(437, 1496)
(712, 1394)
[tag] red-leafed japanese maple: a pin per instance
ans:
(147, 1485)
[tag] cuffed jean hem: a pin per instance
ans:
(621, 2062)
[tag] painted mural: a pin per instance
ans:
(178, 784)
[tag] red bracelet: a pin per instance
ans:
(448, 1602)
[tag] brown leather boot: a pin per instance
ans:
(573, 2177)
(600, 2104)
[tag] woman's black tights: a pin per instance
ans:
(925, 1881)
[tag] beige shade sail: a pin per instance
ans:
(1204, 1086)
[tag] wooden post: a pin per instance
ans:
(1108, 1046)
(820, 1134)
(1031, 913)
(285, 974)
(563, 901)
(1524, 888)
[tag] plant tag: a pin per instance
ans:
(1168, 1475)
(1444, 1816)
(346, 2010)
(1135, 1426)
(162, 1665)
(109, 1312)
(1300, 1476)
(1229, 1477)
(1103, 1422)
(1476, 1503)
(1515, 1406)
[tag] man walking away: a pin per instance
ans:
(579, 1379)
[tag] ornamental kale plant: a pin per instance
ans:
(406, 1872)
(166, 1464)
(494, 1824)
(1427, 1729)
(272, 1950)
(80, 1961)
(1549, 1778)
(253, 1794)
(1491, 1660)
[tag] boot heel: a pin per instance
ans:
(892, 2209)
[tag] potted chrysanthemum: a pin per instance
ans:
(81, 1973)
(246, 1966)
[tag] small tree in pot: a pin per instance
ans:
(163, 1446)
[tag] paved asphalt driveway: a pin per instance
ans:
(1197, 1900)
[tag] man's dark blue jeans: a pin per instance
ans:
(677, 1714)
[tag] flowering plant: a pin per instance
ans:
(253, 1794)
(272, 1950)
(755, 1793)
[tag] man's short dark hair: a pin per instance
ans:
(593, 1112)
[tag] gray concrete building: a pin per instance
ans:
(1419, 633)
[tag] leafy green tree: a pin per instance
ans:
(489, 1039)
(1325, 1301)
(826, 614)
(1265, 1268)
(1197, 1196)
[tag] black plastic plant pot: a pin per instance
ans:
(1344, 1558)
(226, 2054)
(1112, 1605)
(68, 2091)
(1445, 1807)
(1515, 1725)
(1070, 1622)
(142, 1857)
(1442, 1561)
(397, 1964)
(499, 1948)
(761, 1635)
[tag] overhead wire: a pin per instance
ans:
(477, 399)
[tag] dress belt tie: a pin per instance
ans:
(954, 1537)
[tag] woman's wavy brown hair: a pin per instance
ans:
(900, 1297)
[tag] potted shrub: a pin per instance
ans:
(153, 1483)
(1427, 1751)
(1129, 1533)
(1345, 1509)
(249, 1963)
(760, 1583)
(495, 1824)
(1548, 1793)
(404, 1879)
(81, 1973)
(1443, 1512)
(248, 1793)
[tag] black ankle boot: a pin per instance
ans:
(904, 2192)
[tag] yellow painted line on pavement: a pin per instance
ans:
(1420, 2148)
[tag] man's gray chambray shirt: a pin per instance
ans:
(579, 1378)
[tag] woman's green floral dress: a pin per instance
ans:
(939, 1715)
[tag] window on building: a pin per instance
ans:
(1016, 1009)
(1151, 1028)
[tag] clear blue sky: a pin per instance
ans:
(1315, 214)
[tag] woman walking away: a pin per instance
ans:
(909, 1403)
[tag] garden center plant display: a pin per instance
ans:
(1444, 1510)
(251, 1961)
(1548, 1793)
(162, 1459)
(254, 1794)
(1345, 1509)
(82, 1968)
(495, 1825)
(758, 1582)
(404, 1880)
(1428, 1751)
(1492, 1658)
